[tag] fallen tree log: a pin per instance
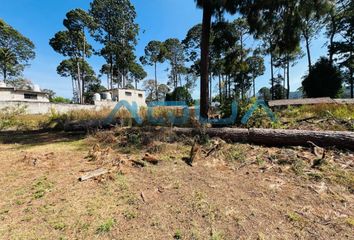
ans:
(276, 137)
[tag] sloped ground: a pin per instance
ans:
(232, 191)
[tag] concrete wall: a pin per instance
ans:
(129, 95)
(19, 95)
(44, 108)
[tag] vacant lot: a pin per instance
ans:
(231, 191)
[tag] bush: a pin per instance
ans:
(324, 80)
(9, 116)
(180, 94)
(60, 100)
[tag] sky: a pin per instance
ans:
(39, 20)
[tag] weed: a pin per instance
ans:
(134, 139)
(130, 214)
(177, 235)
(106, 226)
(58, 225)
(350, 221)
(9, 116)
(294, 217)
(217, 235)
(298, 167)
(121, 181)
(41, 187)
(236, 154)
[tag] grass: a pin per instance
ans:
(130, 214)
(16, 117)
(294, 217)
(178, 235)
(200, 202)
(41, 187)
(341, 114)
(216, 235)
(350, 221)
(106, 226)
(58, 225)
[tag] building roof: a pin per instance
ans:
(21, 90)
(129, 89)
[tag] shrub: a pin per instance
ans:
(9, 116)
(324, 80)
(60, 100)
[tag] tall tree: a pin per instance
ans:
(78, 21)
(312, 14)
(137, 73)
(155, 52)
(150, 87)
(72, 43)
(15, 51)
(344, 47)
(117, 31)
(210, 8)
(68, 68)
(175, 55)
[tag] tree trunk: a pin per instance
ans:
(272, 74)
(210, 87)
(220, 90)
(254, 86)
(204, 64)
(288, 79)
(108, 80)
(83, 62)
(79, 80)
(331, 38)
(5, 75)
(308, 52)
(73, 87)
(277, 137)
(229, 85)
(351, 83)
(156, 85)
(352, 87)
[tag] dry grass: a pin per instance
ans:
(317, 117)
(239, 191)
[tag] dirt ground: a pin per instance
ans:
(229, 191)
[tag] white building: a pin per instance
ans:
(13, 94)
(116, 95)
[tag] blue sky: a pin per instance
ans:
(39, 20)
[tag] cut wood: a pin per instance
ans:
(150, 159)
(277, 137)
(138, 163)
(93, 174)
(194, 154)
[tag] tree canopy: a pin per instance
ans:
(16, 51)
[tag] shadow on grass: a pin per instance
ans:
(39, 137)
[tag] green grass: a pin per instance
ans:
(294, 217)
(41, 187)
(177, 235)
(106, 226)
